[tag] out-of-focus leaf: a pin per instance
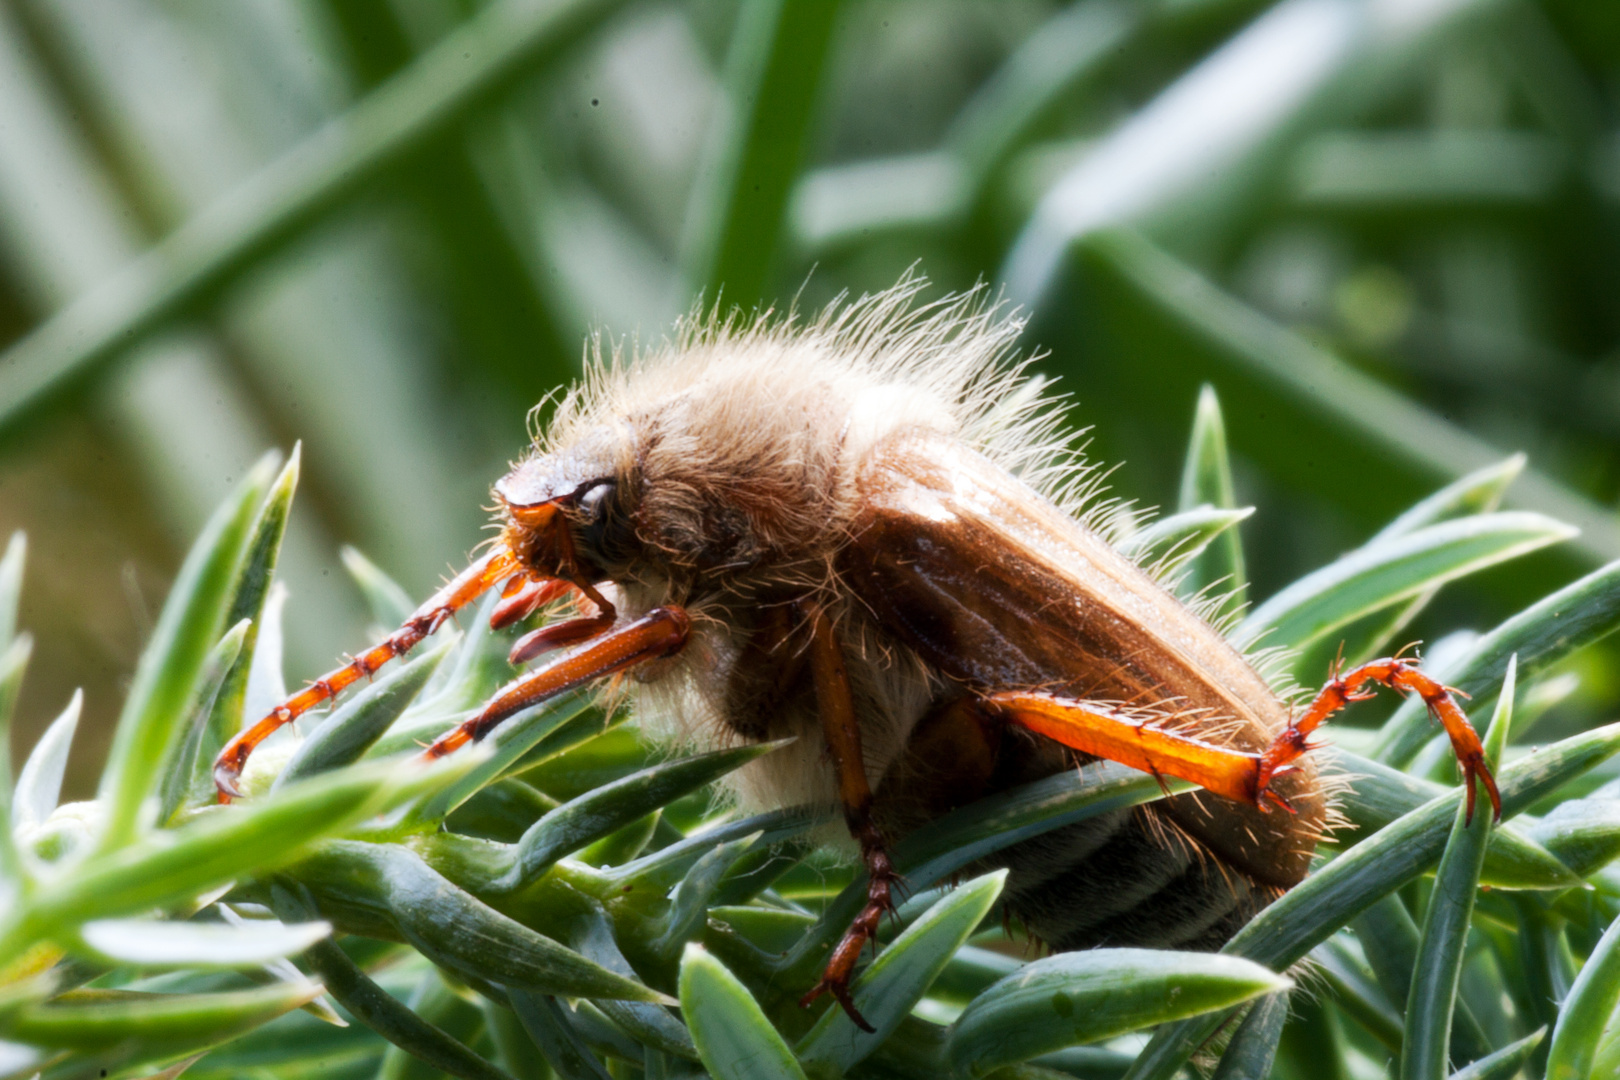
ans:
(551, 1031)
(390, 604)
(661, 870)
(13, 662)
(11, 580)
(1379, 575)
(1306, 915)
(39, 785)
(651, 1024)
(211, 678)
(1506, 1062)
(734, 1039)
(374, 1006)
(160, 943)
(1378, 794)
(1254, 1043)
(1426, 1045)
(166, 679)
(506, 41)
(1361, 998)
(1584, 1015)
(351, 730)
(887, 991)
(1084, 997)
(1172, 542)
(574, 824)
(153, 1024)
(689, 903)
(777, 53)
(1542, 634)
(1584, 834)
(1206, 480)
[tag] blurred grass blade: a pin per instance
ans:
(734, 1039)
(1585, 1014)
(345, 736)
(180, 768)
(1353, 991)
(1084, 997)
(1506, 1063)
(148, 1025)
(543, 1018)
(1379, 575)
(661, 870)
(375, 1007)
(689, 903)
(166, 678)
(505, 41)
(1332, 406)
(612, 806)
(1304, 917)
(11, 580)
(773, 73)
(1254, 1043)
(1206, 480)
(160, 943)
(454, 928)
(1426, 1045)
(1169, 544)
(39, 785)
(1542, 634)
(887, 991)
(250, 599)
(1480, 492)
(390, 604)
(1516, 858)
(13, 663)
(1584, 834)
(963, 836)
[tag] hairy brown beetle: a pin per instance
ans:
(864, 532)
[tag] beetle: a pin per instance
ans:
(865, 532)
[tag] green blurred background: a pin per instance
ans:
(1386, 231)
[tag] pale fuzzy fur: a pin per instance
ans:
(791, 411)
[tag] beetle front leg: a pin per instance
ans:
(1402, 676)
(836, 706)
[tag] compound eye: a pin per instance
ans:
(603, 530)
(593, 504)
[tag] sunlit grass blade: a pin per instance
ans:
(1379, 575)
(1323, 902)
(887, 991)
(374, 1006)
(1480, 492)
(1505, 1063)
(161, 943)
(733, 1037)
(1084, 997)
(1206, 480)
(1552, 628)
(166, 677)
(1254, 1043)
(145, 1025)
(180, 768)
(39, 784)
(483, 56)
(774, 67)
(1584, 1016)
(612, 806)
(345, 736)
(1170, 543)
(1435, 977)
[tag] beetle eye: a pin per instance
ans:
(593, 504)
(602, 528)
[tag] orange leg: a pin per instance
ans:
(837, 709)
(466, 587)
(661, 632)
(1106, 732)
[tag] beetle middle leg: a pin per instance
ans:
(836, 705)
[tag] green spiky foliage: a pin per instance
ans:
(563, 901)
